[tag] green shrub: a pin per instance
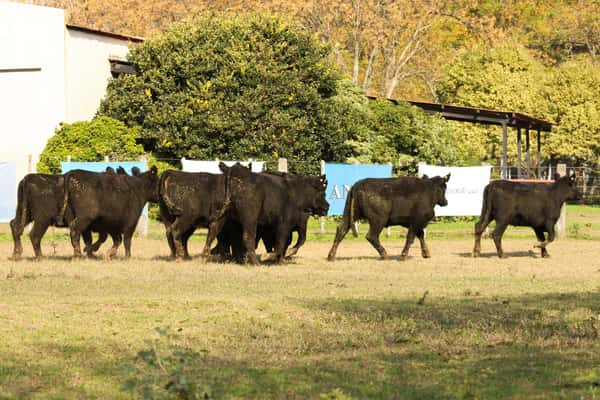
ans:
(90, 141)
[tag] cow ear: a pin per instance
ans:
(447, 178)
(424, 176)
(154, 170)
(223, 167)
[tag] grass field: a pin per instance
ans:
(447, 327)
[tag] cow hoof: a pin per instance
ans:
(330, 258)
(502, 256)
(475, 254)
(15, 257)
(403, 257)
(426, 255)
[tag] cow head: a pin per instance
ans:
(150, 183)
(313, 191)
(568, 187)
(438, 185)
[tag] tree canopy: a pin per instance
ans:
(233, 87)
(90, 141)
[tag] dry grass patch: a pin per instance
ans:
(446, 327)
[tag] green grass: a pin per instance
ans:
(447, 327)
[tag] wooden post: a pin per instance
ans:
(282, 165)
(106, 159)
(69, 158)
(539, 153)
(142, 227)
(527, 153)
(322, 219)
(561, 224)
(519, 145)
(503, 162)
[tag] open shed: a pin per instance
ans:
(505, 119)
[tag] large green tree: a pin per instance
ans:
(233, 87)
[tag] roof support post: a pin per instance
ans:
(519, 145)
(527, 153)
(539, 154)
(503, 165)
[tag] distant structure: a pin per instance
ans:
(50, 73)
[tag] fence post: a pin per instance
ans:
(142, 227)
(561, 224)
(322, 219)
(69, 158)
(282, 165)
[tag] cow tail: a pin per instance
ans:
(60, 220)
(162, 195)
(486, 207)
(227, 201)
(22, 205)
(349, 212)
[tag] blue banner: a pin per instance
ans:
(101, 166)
(8, 190)
(341, 177)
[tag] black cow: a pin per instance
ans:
(39, 199)
(230, 244)
(109, 202)
(524, 204)
(188, 200)
(405, 201)
(276, 202)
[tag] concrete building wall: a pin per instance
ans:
(32, 80)
(88, 70)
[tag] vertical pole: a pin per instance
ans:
(519, 176)
(503, 166)
(282, 165)
(69, 158)
(142, 227)
(106, 159)
(539, 153)
(561, 224)
(527, 153)
(322, 219)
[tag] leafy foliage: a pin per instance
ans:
(404, 135)
(509, 78)
(90, 141)
(231, 87)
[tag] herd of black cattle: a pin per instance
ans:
(241, 208)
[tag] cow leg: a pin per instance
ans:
(185, 239)
(102, 236)
(249, 240)
(410, 238)
(551, 234)
(497, 235)
(171, 242)
(340, 233)
(16, 228)
(178, 231)
(77, 226)
(116, 239)
(281, 240)
(540, 234)
(214, 228)
(424, 249)
(479, 229)
(300, 242)
(37, 231)
(127, 235)
(375, 229)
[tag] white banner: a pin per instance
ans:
(464, 189)
(213, 166)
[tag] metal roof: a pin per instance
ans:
(102, 33)
(479, 115)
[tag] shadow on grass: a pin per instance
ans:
(533, 346)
